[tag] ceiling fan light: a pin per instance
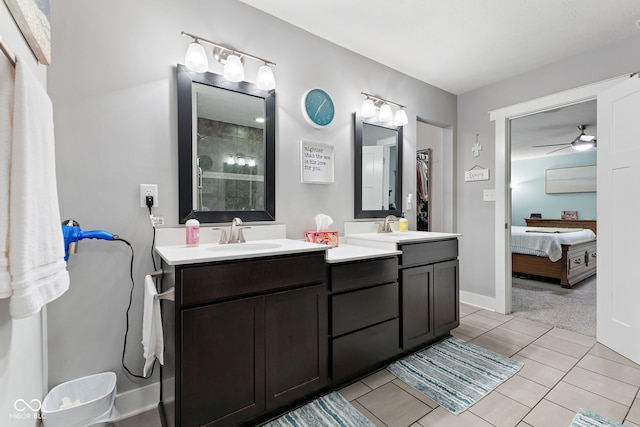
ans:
(582, 146)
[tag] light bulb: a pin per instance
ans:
(265, 80)
(401, 118)
(231, 160)
(241, 161)
(385, 114)
(233, 69)
(252, 162)
(368, 108)
(196, 58)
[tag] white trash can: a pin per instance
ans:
(86, 401)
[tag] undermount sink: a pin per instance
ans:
(244, 247)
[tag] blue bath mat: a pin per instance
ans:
(331, 410)
(454, 373)
(586, 418)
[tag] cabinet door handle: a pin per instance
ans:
(578, 261)
(594, 255)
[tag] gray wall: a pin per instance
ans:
(475, 217)
(112, 82)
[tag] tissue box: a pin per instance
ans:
(325, 237)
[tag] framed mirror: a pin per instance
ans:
(378, 169)
(226, 149)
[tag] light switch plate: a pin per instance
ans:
(489, 195)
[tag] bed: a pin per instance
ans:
(566, 254)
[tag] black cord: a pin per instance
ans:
(126, 332)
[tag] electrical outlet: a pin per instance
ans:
(148, 190)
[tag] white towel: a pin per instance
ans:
(6, 119)
(152, 338)
(36, 246)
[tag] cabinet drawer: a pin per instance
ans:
(578, 262)
(360, 274)
(230, 279)
(428, 252)
(358, 309)
(360, 351)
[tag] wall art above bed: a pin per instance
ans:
(579, 179)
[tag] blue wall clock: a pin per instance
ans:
(317, 108)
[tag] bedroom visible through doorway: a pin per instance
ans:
(564, 252)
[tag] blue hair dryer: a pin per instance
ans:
(72, 234)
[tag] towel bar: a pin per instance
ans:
(169, 294)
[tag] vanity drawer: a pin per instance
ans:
(428, 252)
(354, 275)
(360, 351)
(237, 278)
(358, 309)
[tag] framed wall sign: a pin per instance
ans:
(316, 162)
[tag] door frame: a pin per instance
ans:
(501, 118)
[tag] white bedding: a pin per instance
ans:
(545, 242)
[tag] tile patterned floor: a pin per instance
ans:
(563, 371)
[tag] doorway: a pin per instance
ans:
(541, 146)
(502, 121)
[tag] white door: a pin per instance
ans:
(372, 178)
(618, 312)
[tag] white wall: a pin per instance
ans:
(475, 217)
(22, 353)
(112, 81)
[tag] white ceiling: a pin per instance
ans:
(461, 45)
(557, 126)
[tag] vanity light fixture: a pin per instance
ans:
(240, 160)
(196, 60)
(385, 114)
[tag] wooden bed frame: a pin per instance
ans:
(579, 260)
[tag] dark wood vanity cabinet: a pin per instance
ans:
(364, 316)
(249, 339)
(429, 291)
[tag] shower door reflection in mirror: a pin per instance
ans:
(230, 151)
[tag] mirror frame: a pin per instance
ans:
(185, 78)
(358, 212)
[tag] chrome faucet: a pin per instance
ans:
(235, 235)
(385, 227)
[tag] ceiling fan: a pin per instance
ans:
(582, 142)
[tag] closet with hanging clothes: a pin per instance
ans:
(422, 189)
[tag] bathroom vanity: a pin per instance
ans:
(428, 279)
(247, 334)
(260, 327)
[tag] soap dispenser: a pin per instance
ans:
(403, 223)
(193, 231)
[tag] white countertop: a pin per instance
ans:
(346, 253)
(211, 252)
(391, 240)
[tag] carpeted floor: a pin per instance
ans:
(547, 302)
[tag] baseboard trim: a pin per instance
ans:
(477, 300)
(137, 401)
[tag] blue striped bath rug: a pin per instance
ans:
(454, 373)
(586, 418)
(329, 410)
